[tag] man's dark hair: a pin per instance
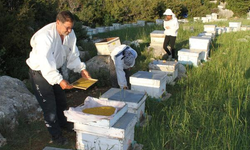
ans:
(65, 16)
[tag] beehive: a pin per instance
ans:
(210, 28)
(169, 67)
(191, 57)
(199, 43)
(106, 46)
(153, 83)
(76, 115)
(118, 137)
(134, 99)
(157, 37)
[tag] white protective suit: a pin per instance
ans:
(116, 56)
(173, 26)
(49, 54)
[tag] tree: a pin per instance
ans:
(239, 7)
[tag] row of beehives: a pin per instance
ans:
(208, 18)
(117, 132)
(115, 26)
(199, 46)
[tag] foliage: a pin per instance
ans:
(196, 8)
(239, 7)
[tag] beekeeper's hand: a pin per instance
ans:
(167, 27)
(85, 74)
(65, 85)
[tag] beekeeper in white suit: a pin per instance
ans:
(171, 27)
(123, 57)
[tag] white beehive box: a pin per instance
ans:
(204, 19)
(214, 16)
(196, 19)
(141, 22)
(169, 67)
(220, 30)
(95, 31)
(186, 56)
(152, 83)
(106, 46)
(199, 43)
(76, 115)
(134, 99)
(228, 29)
(166, 66)
(118, 137)
(157, 37)
(210, 36)
(111, 28)
(235, 25)
(159, 21)
(116, 26)
(209, 17)
(150, 23)
(101, 29)
(210, 28)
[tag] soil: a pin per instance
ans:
(76, 97)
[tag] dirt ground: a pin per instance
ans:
(75, 97)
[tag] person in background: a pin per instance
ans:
(171, 27)
(52, 46)
(123, 57)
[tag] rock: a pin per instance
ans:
(181, 71)
(102, 68)
(157, 51)
(84, 55)
(15, 98)
(242, 40)
(70, 75)
(3, 141)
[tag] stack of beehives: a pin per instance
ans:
(96, 129)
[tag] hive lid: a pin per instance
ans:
(129, 96)
(149, 75)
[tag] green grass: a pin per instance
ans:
(208, 110)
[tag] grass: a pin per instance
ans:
(208, 110)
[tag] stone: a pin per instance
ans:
(156, 50)
(102, 67)
(15, 98)
(84, 55)
(3, 141)
(242, 40)
(181, 71)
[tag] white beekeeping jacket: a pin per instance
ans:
(119, 64)
(174, 26)
(49, 54)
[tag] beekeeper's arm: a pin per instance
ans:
(121, 77)
(73, 61)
